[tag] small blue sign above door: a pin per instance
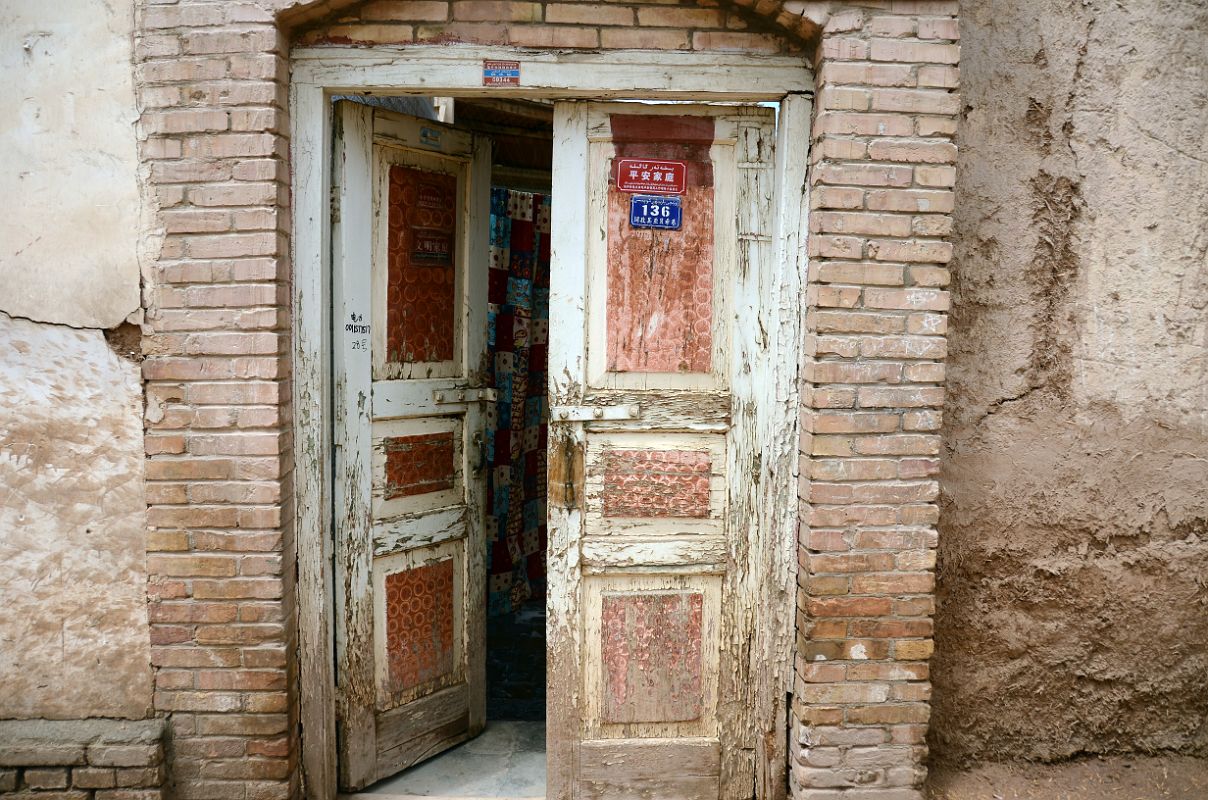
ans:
(655, 211)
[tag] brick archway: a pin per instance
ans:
(795, 20)
(212, 79)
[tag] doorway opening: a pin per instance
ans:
(508, 758)
(658, 372)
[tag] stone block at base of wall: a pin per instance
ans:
(90, 759)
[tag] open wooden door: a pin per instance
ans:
(672, 439)
(409, 316)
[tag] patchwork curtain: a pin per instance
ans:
(518, 325)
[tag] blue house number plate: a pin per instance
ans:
(654, 211)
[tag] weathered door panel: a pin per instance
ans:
(657, 337)
(409, 267)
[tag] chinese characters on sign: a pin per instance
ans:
(500, 73)
(654, 211)
(432, 247)
(651, 177)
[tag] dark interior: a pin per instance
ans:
(518, 313)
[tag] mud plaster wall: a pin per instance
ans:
(73, 630)
(1073, 606)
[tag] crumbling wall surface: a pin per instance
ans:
(1073, 567)
(74, 638)
(69, 174)
(73, 632)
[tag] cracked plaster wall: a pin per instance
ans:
(1073, 574)
(73, 632)
(68, 246)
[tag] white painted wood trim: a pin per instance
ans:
(311, 158)
(352, 255)
(646, 74)
(567, 372)
(474, 466)
(780, 419)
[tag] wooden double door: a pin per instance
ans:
(668, 621)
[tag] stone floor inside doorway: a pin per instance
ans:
(507, 760)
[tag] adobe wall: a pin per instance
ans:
(73, 630)
(1074, 530)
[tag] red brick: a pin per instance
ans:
(849, 607)
(833, 98)
(915, 101)
(838, 197)
(550, 36)
(678, 17)
(646, 39)
(891, 629)
(848, 321)
(855, 222)
(894, 583)
(853, 469)
(935, 176)
(913, 52)
(858, 124)
(864, 175)
(892, 26)
(743, 42)
(845, 693)
(843, 49)
(865, 74)
(913, 151)
(911, 200)
(939, 28)
(411, 11)
(913, 299)
(904, 347)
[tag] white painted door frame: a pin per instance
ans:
(444, 70)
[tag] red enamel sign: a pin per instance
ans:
(652, 177)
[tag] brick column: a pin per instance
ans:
(881, 201)
(212, 80)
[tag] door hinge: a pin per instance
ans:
(590, 413)
(442, 396)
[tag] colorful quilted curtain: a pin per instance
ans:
(518, 322)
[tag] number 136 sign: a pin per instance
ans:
(654, 211)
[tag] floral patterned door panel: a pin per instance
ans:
(409, 313)
(653, 333)
(518, 326)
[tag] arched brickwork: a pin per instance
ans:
(572, 25)
(795, 21)
(212, 78)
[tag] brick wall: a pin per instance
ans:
(881, 197)
(212, 80)
(703, 25)
(92, 759)
(212, 77)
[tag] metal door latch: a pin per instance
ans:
(464, 396)
(592, 413)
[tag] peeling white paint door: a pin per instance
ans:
(665, 650)
(409, 316)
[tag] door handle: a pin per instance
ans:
(480, 450)
(592, 413)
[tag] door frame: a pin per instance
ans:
(456, 70)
